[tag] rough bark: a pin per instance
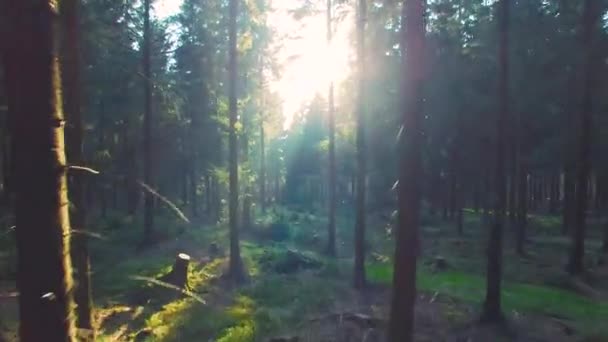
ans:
(492, 311)
(236, 264)
(360, 216)
(72, 96)
(401, 323)
(147, 132)
(331, 226)
(577, 253)
(44, 275)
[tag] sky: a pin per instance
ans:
(308, 63)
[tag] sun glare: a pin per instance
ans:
(308, 64)
(166, 8)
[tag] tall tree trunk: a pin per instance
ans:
(236, 264)
(8, 141)
(577, 254)
(401, 325)
(44, 268)
(71, 81)
(492, 311)
(331, 227)
(360, 216)
(147, 140)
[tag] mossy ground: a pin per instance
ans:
(271, 303)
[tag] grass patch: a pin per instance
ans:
(516, 296)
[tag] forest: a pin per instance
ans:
(303, 171)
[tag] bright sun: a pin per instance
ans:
(307, 63)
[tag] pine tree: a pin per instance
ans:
(401, 325)
(43, 235)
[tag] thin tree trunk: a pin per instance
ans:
(605, 240)
(522, 209)
(512, 176)
(43, 236)
(492, 311)
(577, 254)
(452, 177)
(360, 216)
(193, 189)
(401, 325)
(569, 194)
(71, 81)
(331, 227)
(554, 200)
(147, 133)
(262, 167)
(236, 264)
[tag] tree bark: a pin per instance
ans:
(236, 264)
(401, 325)
(147, 133)
(331, 227)
(492, 311)
(577, 254)
(71, 80)
(44, 275)
(359, 270)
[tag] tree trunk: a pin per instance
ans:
(554, 200)
(360, 216)
(492, 311)
(522, 209)
(605, 241)
(236, 264)
(569, 194)
(512, 176)
(193, 188)
(71, 81)
(401, 325)
(331, 227)
(147, 133)
(44, 277)
(262, 167)
(577, 254)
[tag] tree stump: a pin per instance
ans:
(178, 276)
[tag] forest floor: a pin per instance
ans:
(294, 293)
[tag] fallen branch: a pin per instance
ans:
(172, 287)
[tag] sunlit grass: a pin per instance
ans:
(470, 288)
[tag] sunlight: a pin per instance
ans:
(166, 8)
(308, 65)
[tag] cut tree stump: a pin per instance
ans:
(178, 276)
